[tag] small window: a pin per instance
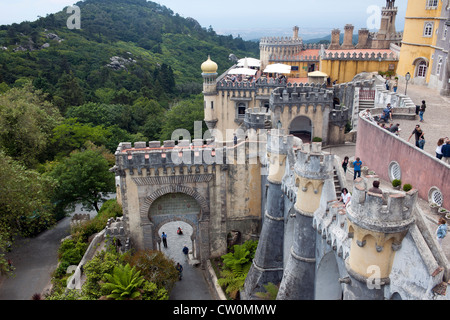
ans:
(394, 171)
(212, 104)
(444, 36)
(439, 66)
(428, 30)
(241, 110)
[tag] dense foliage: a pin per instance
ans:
(68, 97)
(236, 265)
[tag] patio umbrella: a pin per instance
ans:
(278, 68)
(243, 71)
(249, 62)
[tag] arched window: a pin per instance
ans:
(428, 30)
(422, 69)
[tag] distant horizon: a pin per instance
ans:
(234, 17)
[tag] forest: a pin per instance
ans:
(68, 97)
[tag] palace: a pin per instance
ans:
(261, 172)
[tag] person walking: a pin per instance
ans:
(357, 168)
(164, 239)
(422, 110)
(345, 164)
(185, 250)
(441, 231)
(179, 268)
(419, 135)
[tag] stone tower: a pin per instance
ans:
(377, 231)
(312, 168)
(387, 32)
(209, 74)
(268, 262)
(279, 46)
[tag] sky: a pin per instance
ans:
(239, 16)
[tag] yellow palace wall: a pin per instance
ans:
(345, 70)
(415, 44)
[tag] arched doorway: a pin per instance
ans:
(301, 127)
(327, 279)
(173, 210)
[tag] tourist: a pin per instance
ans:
(419, 135)
(395, 84)
(376, 187)
(367, 115)
(345, 164)
(440, 143)
(164, 239)
(387, 84)
(179, 231)
(345, 197)
(179, 268)
(387, 113)
(357, 168)
(395, 129)
(422, 110)
(441, 231)
(185, 250)
(235, 139)
(446, 152)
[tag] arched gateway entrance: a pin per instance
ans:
(176, 209)
(178, 204)
(302, 128)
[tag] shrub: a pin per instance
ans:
(396, 183)
(407, 187)
(317, 139)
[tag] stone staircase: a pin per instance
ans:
(337, 185)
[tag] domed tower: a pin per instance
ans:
(209, 74)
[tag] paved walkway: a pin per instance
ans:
(193, 286)
(436, 123)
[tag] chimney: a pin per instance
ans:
(335, 39)
(295, 33)
(363, 39)
(348, 37)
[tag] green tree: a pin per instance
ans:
(123, 283)
(26, 124)
(183, 116)
(72, 135)
(82, 177)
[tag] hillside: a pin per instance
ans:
(138, 47)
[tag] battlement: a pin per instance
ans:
(362, 56)
(279, 143)
(312, 163)
(388, 213)
(298, 94)
(293, 58)
(281, 41)
(331, 225)
(256, 118)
